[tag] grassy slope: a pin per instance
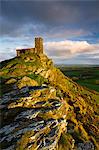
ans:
(85, 76)
(75, 95)
(19, 67)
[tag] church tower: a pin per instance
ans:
(39, 45)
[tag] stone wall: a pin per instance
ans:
(38, 47)
(23, 51)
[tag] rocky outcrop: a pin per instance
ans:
(26, 81)
(43, 109)
(39, 122)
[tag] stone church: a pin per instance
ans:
(37, 49)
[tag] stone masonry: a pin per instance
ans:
(37, 49)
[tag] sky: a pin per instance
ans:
(70, 29)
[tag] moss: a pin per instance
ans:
(65, 142)
(81, 101)
(38, 78)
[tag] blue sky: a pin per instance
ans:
(70, 29)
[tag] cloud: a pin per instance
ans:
(61, 32)
(72, 46)
(70, 15)
(77, 21)
(64, 52)
(70, 49)
(5, 56)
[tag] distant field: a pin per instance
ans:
(86, 76)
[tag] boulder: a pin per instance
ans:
(26, 81)
(12, 80)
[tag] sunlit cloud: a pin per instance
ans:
(79, 50)
(72, 46)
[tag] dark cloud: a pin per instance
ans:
(65, 14)
(55, 21)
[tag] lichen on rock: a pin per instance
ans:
(42, 109)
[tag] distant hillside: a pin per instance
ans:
(87, 76)
(43, 109)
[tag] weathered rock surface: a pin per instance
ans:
(38, 124)
(41, 109)
(26, 81)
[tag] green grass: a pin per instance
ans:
(38, 78)
(85, 76)
(89, 85)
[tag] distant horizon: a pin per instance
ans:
(60, 64)
(85, 65)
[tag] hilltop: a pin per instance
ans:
(43, 109)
